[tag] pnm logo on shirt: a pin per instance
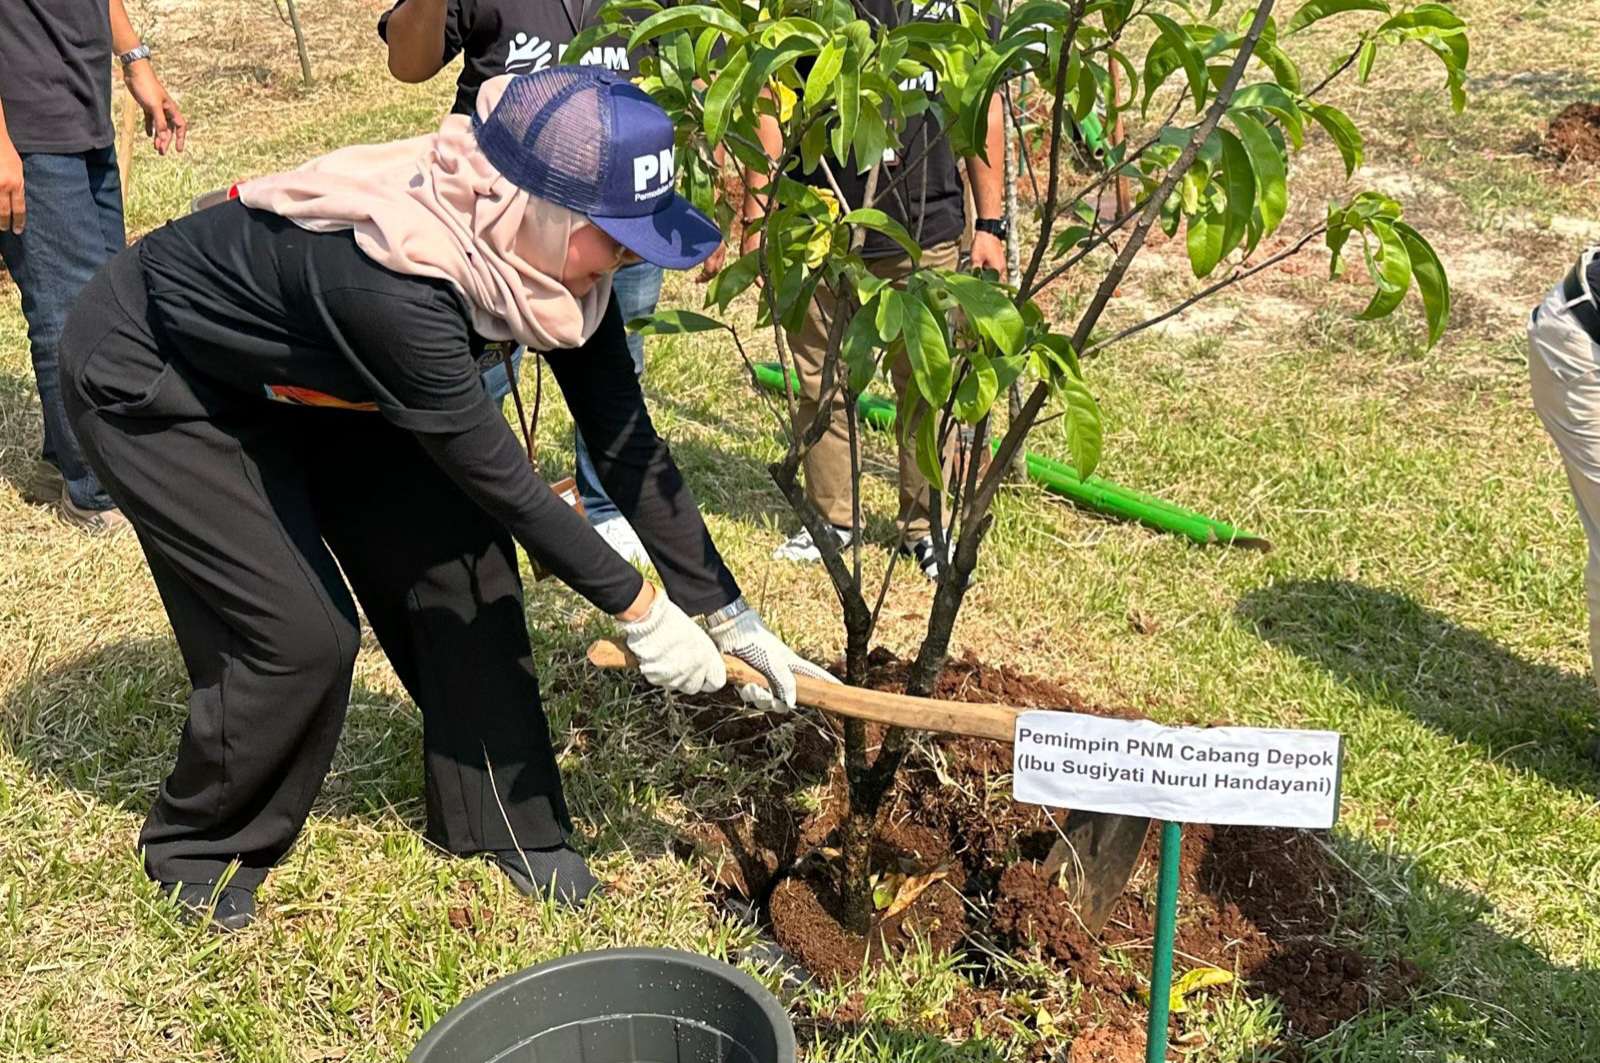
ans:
(528, 54)
(657, 166)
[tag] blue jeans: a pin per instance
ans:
(74, 227)
(637, 289)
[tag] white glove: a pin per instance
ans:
(673, 651)
(744, 636)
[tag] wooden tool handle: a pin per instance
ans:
(996, 722)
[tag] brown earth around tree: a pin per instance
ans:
(1260, 903)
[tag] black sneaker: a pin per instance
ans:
(924, 554)
(230, 910)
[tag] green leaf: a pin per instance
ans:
(980, 386)
(1206, 232)
(891, 314)
(1317, 10)
(812, 145)
(1272, 190)
(1269, 97)
(1084, 427)
(925, 346)
(694, 17)
(732, 279)
(1425, 17)
(1454, 68)
(1368, 53)
(878, 221)
(579, 46)
(1175, 38)
(859, 348)
(1239, 182)
(1277, 60)
(989, 309)
(849, 97)
(928, 449)
(1391, 269)
(1432, 284)
(872, 139)
(672, 322)
(1346, 137)
(768, 61)
(721, 95)
(823, 73)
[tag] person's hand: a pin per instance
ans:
(13, 207)
(713, 265)
(673, 651)
(989, 252)
(747, 638)
(163, 121)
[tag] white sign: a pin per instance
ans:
(1243, 775)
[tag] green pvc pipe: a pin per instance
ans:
(1095, 493)
(1161, 960)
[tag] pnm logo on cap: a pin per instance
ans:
(656, 166)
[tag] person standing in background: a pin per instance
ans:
(926, 198)
(496, 37)
(61, 197)
(1564, 373)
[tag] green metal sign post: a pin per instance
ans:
(1161, 958)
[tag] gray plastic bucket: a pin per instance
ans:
(616, 1006)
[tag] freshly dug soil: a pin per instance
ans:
(1574, 134)
(1257, 902)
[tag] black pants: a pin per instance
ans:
(242, 507)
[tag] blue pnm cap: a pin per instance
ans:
(593, 142)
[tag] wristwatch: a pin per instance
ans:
(133, 55)
(995, 227)
(726, 613)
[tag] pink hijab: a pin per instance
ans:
(433, 206)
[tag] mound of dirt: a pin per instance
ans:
(1574, 134)
(1258, 902)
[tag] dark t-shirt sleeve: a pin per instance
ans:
(416, 355)
(452, 27)
(636, 467)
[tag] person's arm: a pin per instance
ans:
(415, 32)
(988, 190)
(163, 121)
(636, 467)
(13, 207)
(755, 181)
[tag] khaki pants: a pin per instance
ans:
(828, 463)
(1564, 369)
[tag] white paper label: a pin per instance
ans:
(1251, 776)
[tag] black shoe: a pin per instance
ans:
(235, 906)
(558, 872)
(923, 553)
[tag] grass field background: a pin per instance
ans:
(1424, 598)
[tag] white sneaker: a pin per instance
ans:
(804, 548)
(620, 536)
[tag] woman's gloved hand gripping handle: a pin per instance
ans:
(673, 651)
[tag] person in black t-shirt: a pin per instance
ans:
(283, 394)
(924, 194)
(61, 196)
(495, 37)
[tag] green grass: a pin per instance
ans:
(1425, 599)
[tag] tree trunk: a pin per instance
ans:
(299, 41)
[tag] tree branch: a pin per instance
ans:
(1228, 281)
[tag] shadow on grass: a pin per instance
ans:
(106, 723)
(1397, 653)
